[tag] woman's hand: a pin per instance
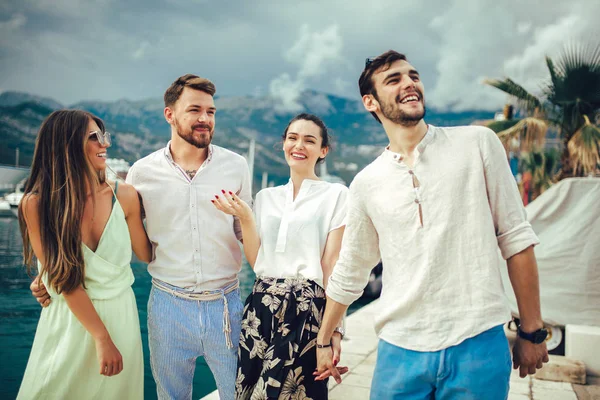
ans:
(231, 204)
(111, 361)
(336, 346)
(327, 360)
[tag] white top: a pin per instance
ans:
(195, 245)
(441, 281)
(293, 233)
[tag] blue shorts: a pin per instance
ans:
(478, 368)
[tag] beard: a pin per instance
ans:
(188, 135)
(392, 112)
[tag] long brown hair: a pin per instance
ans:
(61, 176)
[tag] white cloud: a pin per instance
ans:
(314, 53)
(341, 86)
(528, 67)
(141, 51)
(14, 23)
(486, 38)
(524, 27)
(286, 93)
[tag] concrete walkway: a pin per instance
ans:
(359, 352)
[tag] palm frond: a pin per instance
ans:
(524, 99)
(531, 132)
(584, 148)
(499, 126)
(551, 70)
(575, 82)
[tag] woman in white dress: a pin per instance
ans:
(292, 241)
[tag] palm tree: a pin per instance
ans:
(570, 102)
(542, 165)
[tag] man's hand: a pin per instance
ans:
(327, 360)
(38, 290)
(529, 356)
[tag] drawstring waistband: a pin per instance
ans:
(206, 296)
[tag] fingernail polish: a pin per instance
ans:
(216, 196)
(231, 193)
(223, 191)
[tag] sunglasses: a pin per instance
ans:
(101, 137)
(369, 61)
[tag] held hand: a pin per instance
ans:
(38, 290)
(327, 360)
(336, 346)
(529, 356)
(109, 357)
(231, 204)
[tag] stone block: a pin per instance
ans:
(562, 369)
(582, 343)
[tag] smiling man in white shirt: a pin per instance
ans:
(435, 207)
(194, 308)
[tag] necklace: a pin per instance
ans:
(191, 173)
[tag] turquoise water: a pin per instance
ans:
(19, 314)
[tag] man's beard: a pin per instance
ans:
(201, 142)
(392, 112)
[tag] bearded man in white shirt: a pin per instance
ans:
(194, 308)
(435, 207)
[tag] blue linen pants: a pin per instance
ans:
(181, 330)
(478, 368)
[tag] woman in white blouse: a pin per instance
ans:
(292, 243)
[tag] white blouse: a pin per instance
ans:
(293, 233)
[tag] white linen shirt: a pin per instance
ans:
(195, 245)
(293, 232)
(441, 280)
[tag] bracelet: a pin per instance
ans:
(322, 346)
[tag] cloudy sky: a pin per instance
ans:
(75, 50)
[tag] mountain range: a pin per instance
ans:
(139, 128)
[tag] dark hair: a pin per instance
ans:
(383, 61)
(192, 81)
(319, 122)
(61, 175)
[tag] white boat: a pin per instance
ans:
(13, 200)
(5, 209)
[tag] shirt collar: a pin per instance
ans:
(427, 139)
(169, 156)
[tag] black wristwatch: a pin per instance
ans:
(536, 337)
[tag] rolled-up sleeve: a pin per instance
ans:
(358, 255)
(513, 231)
